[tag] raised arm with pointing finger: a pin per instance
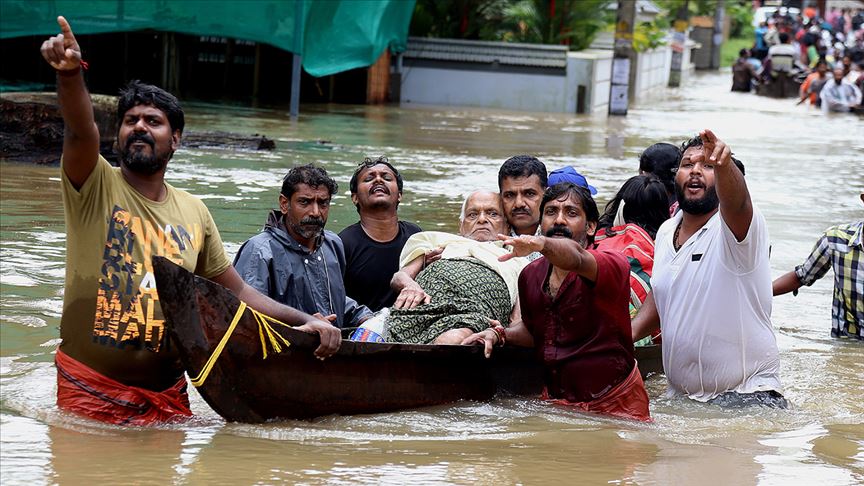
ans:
(711, 286)
(80, 137)
(735, 205)
(116, 362)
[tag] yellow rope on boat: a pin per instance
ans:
(273, 337)
(264, 328)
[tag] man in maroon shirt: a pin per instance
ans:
(575, 310)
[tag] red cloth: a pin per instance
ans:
(84, 391)
(637, 245)
(634, 243)
(628, 400)
(631, 241)
(583, 335)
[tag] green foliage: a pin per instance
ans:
(572, 22)
(577, 22)
(741, 19)
(729, 50)
(648, 35)
(516, 22)
(668, 12)
(740, 13)
(453, 19)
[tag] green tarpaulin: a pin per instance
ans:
(334, 35)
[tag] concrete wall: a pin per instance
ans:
(489, 89)
(455, 83)
(652, 70)
(591, 69)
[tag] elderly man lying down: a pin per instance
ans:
(458, 294)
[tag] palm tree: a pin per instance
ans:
(570, 22)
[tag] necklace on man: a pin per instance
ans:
(675, 243)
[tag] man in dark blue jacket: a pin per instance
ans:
(294, 260)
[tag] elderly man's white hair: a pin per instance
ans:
(467, 197)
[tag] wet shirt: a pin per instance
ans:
(276, 265)
(782, 57)
(839, 97)
(840, 247)
(370, 264)
(583, 335)
(112, 320)
(714, 300)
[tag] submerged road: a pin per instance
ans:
(804, 170)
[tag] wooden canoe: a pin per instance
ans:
(785, 86)
(360, 378)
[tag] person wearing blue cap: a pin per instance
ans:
(569, 174)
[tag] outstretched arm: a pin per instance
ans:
(647, 320)
(736, 209)
(563, 253)
(330, 336)
(81, 136)
(788, 282)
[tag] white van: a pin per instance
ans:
(762, 14)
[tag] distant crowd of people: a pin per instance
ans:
(681, 249)
(825, 54)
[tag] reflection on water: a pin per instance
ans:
(803, 170)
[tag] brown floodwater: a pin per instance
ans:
(804, 170)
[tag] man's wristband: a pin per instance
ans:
(83, 66)
(501, 333)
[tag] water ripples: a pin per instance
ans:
(803, 170)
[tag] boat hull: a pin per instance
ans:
(360, 378)
(785, 86)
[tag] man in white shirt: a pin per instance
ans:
(781, 57)
(712, 286)
(840, 95)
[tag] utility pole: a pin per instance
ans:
(623, 58)
(679, 43)
(717, 39)
(297, 57)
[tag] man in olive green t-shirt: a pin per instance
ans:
(115, 362)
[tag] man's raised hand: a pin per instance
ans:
(523, 245)
(715, 150)
(62, 51)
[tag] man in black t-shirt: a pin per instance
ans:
(373, 244)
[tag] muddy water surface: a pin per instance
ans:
(804, 171)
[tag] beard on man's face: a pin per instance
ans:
(704, 205)
(140, 162)
(309, 227)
